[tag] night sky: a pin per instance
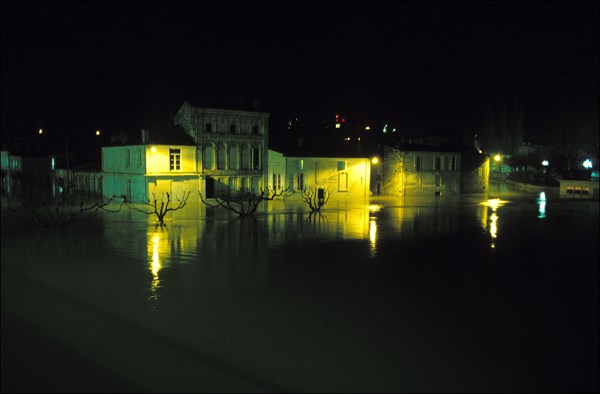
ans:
(73, 68)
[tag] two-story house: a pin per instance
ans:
(344, 175)
(160, 161)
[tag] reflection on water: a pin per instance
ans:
(542, 205)
(491, 225)
(373, 210)
(364, 291)
(155, 264)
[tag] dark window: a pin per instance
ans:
(418, 163)
(232, 129)
(208, 128)
(437, 164)
(254, 129)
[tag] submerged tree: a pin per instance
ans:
(243, 203)
(161, 207)
(60, 210)
(316, 198)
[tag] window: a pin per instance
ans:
(175, 159)
(256, 158)
(221, 157)
(208, 128)
(232, 129)
(233, 158)
(453, 163)
(341, 165)
(437, 165)
(343, 182)
(208, 158)
(255, 130)
(277, 181)
(300, 182)
(418, 166)
(127, 158)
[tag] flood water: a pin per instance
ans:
(493, 292)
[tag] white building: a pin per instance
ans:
(139, 171)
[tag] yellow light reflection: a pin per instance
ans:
(155, 267)
(373, 232)
(492, 225)
(373, 209)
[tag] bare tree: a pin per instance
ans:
(160, 208)
(316, 198)
(59, 211)
(243, 203)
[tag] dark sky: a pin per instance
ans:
(75, 67)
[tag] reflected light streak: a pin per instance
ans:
(155, 266)
(373, 228)
(542, 205)
(493, 203)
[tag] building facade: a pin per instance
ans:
(144, 172)
(232, 147)
(344, 178)
(420, 172)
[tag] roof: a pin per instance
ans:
(170, 135)
(306, 149)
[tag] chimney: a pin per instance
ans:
(300, 143)
(145, 136)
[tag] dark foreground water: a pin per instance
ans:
(493, 293)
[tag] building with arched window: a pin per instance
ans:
(232, 147)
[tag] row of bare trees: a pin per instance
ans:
(66, 208)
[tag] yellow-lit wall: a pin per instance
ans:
(344, 178)
(138, 172)
(158, 159)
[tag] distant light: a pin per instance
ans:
(347, 139)
(385, 129)
(368, 128)
(343, 120)
(337, 116)
(359, 138)
(497, 157)
(52, 164)
(393, 130)
(153, 149)
(587, 164)
(97, 132)
(337, 125)
(40, 131)
(374, 160)
(545, 163)
(480, 151)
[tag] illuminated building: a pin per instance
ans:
(346, 177)
(153, 166)
(232, 147)
(420, 170)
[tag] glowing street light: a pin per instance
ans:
(497, 157)
(97, 132)
(545, 163)
(375, 160)
(587, 164)
(40, 131)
